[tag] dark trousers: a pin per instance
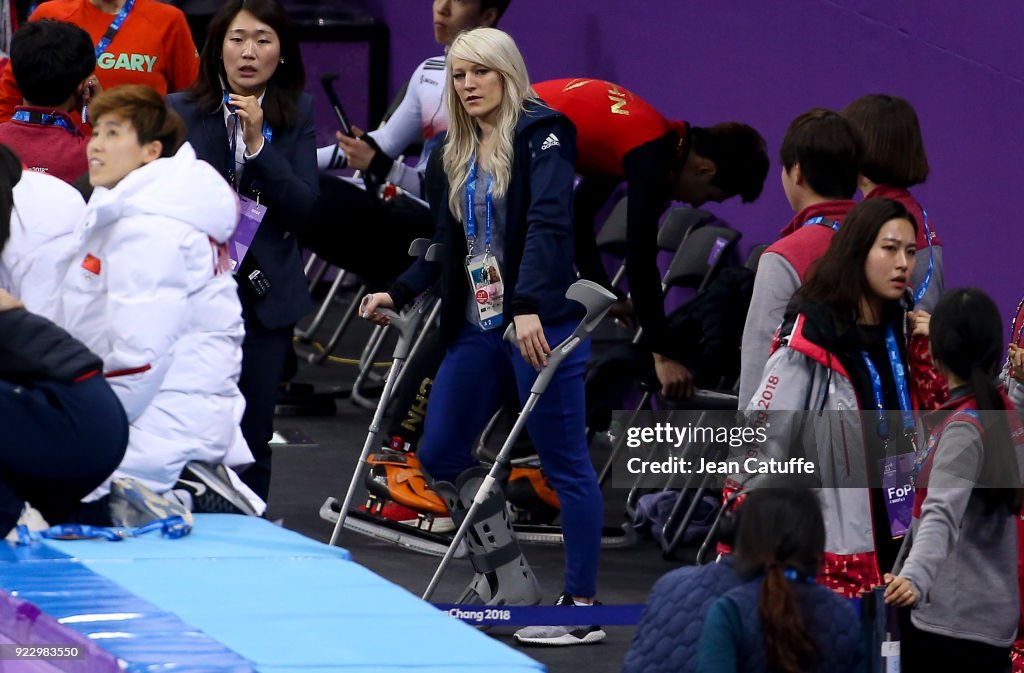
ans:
(363, 237)
(475, 379)
(925, 652)
(60, 442)
(263, 357)
(408, 408)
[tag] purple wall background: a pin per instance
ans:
(765, 62)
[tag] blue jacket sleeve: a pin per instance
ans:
(289, 179)
(719, 642)
(549, 225)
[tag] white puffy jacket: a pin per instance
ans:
(46, 211)
(149, 290)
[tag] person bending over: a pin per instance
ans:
(622, 137)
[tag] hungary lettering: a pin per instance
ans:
(130, 62)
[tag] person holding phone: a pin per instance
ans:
(340, 228)
(247, 115)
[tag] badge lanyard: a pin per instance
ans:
(43, 119)
(893, 351)
(920, 292)
(113, 28)
(824, 221)
(268, 134)
(471, 210)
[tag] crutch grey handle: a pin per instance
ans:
(419, 247)
(434, 252)
(422, 247)
(405, 324)
(596, 300)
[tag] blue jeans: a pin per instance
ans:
(475, 379)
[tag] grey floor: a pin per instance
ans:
(304, 475)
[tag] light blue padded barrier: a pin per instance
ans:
(279, 601)
(53, 599)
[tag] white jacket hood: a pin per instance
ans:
(181, 187)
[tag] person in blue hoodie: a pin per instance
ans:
(501, 195)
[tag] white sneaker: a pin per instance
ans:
(561, 635)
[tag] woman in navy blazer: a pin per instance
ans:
(248, 117)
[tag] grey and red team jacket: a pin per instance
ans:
(802, 375)
(962, 560)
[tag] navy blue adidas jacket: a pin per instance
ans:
(538, 232)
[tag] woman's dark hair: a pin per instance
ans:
(967, 339)
(780, 530)
(146, 111)
(893, 147)
(10, 175)
(280, 102)
(837, 279)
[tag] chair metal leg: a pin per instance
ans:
(376, 340)
(350, 312)
(307, 334)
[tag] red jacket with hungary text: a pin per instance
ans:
(619, 135)
(154, 47)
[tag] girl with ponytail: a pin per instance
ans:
(960, 574)
(780, 619)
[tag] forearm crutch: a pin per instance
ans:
(406, 325)
(597, 301)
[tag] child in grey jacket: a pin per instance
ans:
(960, 574)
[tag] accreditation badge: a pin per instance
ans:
(250, 216)
(898, 489)
(487, 287)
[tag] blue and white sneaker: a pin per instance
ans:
(559, 636)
